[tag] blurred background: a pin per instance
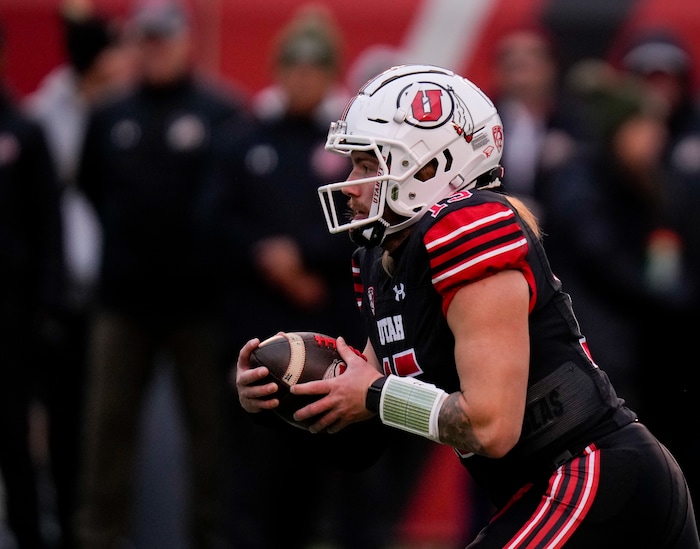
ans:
(236, 39)
(568, 46)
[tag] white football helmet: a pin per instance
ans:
(409, 116)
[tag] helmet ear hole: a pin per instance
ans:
(428, 171)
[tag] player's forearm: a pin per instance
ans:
(455, 427)
(426, 410)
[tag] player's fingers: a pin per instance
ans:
(251, 375)
(323, 424)
(254, 398)
(318, 408)
(346, 352)
(344, 349)
(254, 405)
(244, 354)
(320, 387)
(336, 427)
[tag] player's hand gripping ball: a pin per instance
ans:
(297, 357)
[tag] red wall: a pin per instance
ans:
(235, 37)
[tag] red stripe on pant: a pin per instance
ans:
(571, 492)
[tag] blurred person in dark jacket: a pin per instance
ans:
(614, 236)
(30, 291)
(303, 269)
(539, 119)
(98, 64)
(663, 65)
(142, 166)
(287, 272)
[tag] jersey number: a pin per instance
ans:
(402, 364)
(435, 209)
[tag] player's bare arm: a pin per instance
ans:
(490, 324)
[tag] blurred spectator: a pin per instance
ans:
(307, 70)
(142, 167)
(371, 61)
(295, 277)
(613, 235)
(31, 286)
(304, 270)
(291, 274)
(97, 65)
(664, 67)
(538, 122)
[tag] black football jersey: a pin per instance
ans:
(466, 237)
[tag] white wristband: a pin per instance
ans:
(411, 405)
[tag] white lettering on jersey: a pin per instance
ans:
(390, 329)
(399, 292)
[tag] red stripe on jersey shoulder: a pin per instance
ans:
(471, 242)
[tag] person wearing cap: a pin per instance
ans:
(296, 276)
(306, 70)
(142, 168)
(664, 66)
(296, 273)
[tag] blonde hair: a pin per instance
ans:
(526, 215)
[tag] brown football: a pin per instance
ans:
(297, 357)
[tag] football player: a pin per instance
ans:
(473, 343)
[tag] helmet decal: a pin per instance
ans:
(427, 107)
(498, 136)
(462, 121)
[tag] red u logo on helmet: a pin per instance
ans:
(427, 106)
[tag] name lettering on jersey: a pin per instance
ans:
(435, 209)
(399, 292)
(390, 329)
(542, 412)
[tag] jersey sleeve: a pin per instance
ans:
(468, 243)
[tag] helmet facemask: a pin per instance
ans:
(382, 219)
